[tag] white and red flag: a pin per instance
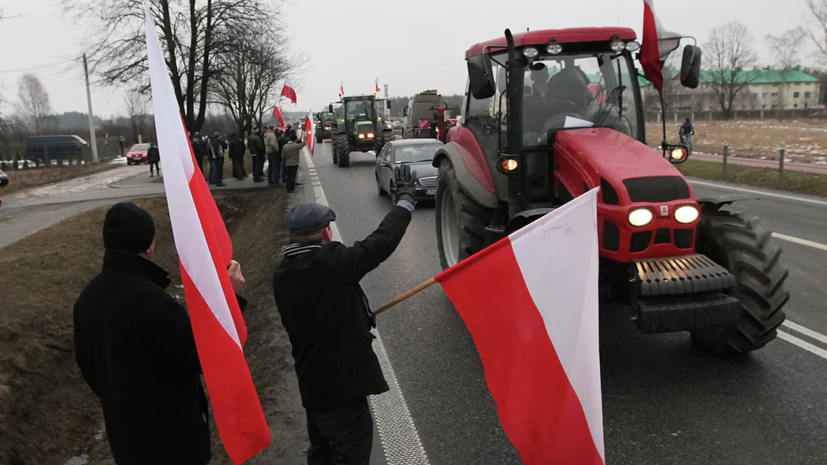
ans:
(530, 303)
(289, 92)
(310, 130)
(341, 89)
(277, 114)
(376, 89)
(204, 251)
(657, 44)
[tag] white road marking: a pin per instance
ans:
(806, 331)
(397, 431)
(796, 240)
(768, 194)
(803, 344)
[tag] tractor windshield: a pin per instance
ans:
(359, 110)
(566, 90)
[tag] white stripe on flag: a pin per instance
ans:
(176, 157)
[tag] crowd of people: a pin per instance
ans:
(281, 150)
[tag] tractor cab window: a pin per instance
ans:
(358, 110)
(562, 90)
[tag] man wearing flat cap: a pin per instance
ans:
(328, 319)
(135, 348)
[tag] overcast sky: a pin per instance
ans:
(411, 46)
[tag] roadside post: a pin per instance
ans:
(726, 155)
(781, 158)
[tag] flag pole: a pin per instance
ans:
(405, 296)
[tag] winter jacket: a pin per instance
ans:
(687, 128)
(217, 147)
(255, 144)
(271, 144)
(135, 348)
(197, 149)
(237, 148)
(153, 155)
(329, 325)
(291, 153)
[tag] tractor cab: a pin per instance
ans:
(358, 128)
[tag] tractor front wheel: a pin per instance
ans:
(319, 137)
(747, 250)
(460, 222)
(341, 150)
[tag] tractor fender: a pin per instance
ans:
(524, 218)
(713, 204)
(473, 175)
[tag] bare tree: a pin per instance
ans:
(191, 33)
(33, 102)
(785, 48)
(137, 106)
(247, 77)
(816, 19)
(731, 62)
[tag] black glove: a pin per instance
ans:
(404, 182)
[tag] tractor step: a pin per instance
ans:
(696, 312)
(691, 274)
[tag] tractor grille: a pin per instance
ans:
(611, 236)
(429, 181)
(680, 275)
(683, 238)
(657, 189)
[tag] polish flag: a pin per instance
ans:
(204, 251)
(341, 89)
(288, 91)
(376, 90)
(530, 303)
(657, 44)
(277, 114)
(310, 130)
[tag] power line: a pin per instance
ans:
(37, 67)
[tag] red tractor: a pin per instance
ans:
(549, 115)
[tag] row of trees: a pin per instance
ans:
(732, 62)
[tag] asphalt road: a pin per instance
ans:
(664, 402)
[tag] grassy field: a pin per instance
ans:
(24, 179)
(794, 181)
(47, 413)
(804, 140)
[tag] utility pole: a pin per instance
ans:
(92, 141)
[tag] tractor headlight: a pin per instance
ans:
(632, 46)
(554, 48)
(361, 136)
(618, 46)
(686, 214)
(530, 52)
(370, 135)
(640, 217)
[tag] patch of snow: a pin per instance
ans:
(82, 459)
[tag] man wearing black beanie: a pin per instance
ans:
(135, 348)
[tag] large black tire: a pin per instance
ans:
(340, 144)
(381, 191)
(319, 137)
(467, 237)
(747, 250)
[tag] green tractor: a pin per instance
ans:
(358, 128)
(325, 123)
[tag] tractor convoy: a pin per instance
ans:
(549, 115)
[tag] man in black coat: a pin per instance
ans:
(135, 348)
(198, 152)
(237, 150)
(255, 144)
(328, 320)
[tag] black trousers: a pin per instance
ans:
(343, 436)
(238, 168)
(217, 171)
(258, 167)
(290, 177)
(273, 168)
(154, 164)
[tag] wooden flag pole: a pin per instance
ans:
(405, 296)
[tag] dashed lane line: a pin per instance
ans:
(397, 431)
(806, 331)
(813, 349)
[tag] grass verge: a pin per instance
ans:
(794, 181)
(47, 413)
(24, 179)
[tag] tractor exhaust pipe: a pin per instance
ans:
(514, 142)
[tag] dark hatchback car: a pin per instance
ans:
(416, 152)
(4, 179)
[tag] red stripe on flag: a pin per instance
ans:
(650, 49)
(239, 417)
(538, 408)
(289, 92)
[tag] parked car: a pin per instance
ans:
(136, 155)
(418, 153)
(4, 179)
(41, 148)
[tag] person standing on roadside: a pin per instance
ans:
(271, 145)
(291, 154)
(135, 348)
(217, 147)
(153, 157)
(237, 150)
(198, 152)
(329, 325)
(256, 147)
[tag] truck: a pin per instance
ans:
(422, 114)
(535, 135)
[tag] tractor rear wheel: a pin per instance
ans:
(340, 146)
(460, 222)
(747, 250)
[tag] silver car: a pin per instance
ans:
(418, 153)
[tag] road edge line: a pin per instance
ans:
(813, 349)
(805, 331)
(753, 191)
(796, 240)
(397, 432)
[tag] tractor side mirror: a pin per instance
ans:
(691, 66)
(405, 112)
(481, 80)
(330, 108)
